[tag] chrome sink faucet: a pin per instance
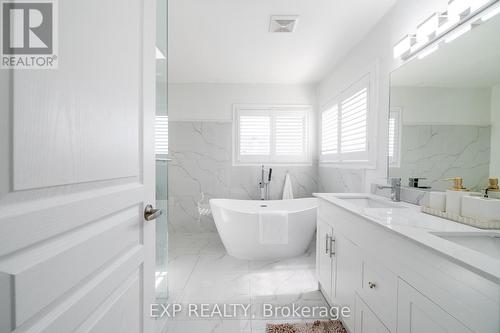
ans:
(395, 189)
(264, 183)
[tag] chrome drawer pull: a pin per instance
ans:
(372, 285)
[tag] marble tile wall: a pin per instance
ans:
(437, 152)
(335, 180)
(201, 154)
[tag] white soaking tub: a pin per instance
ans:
(240, 226)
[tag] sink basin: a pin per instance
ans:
(367, 202)
(485, 242)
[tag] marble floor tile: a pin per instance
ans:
(209, 326)
(180, 268)
(200, 271)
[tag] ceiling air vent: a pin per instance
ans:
(283, 23)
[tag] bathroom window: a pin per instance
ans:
(345, 127)
(161, 135)
(271, 134)
(394, 137)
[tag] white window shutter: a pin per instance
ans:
(354, 122)
(346, 127)
(329, 131)
(271, 134)
(161, 135)
(290, 135)
(254, 135)
(394, 137)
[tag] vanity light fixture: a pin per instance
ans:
(428, 27)
(428, 51)
(434, 29)
(404, 45)
(476, 5)
(459, 8)
(491, 14)
(448, 22)
(458, 32)
(426, 31)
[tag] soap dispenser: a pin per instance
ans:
(493, 190)
(455, 194)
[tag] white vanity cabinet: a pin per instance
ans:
(366, 320)
(394, 284)
(348, 275)
(325, 263)
(338, 267)
(417, 313)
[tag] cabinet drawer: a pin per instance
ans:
(379, 290)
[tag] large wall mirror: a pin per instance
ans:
(445, 112)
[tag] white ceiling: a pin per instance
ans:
(227, 41)
(473, 60)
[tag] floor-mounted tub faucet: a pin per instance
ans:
(264, 183)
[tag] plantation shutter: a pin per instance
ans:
(255, 135)
(161, 135)
(290, 135)
(345, 127)
(329, 131)
(273, 135)
(354, 129)
(394, 137)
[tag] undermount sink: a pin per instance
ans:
(368, 202)
(485, 242)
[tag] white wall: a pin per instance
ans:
(376, 47)
(207, 101)
(495, 132)
(450, 106)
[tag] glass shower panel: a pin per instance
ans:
(161, 151)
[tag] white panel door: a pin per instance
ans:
(76, 171)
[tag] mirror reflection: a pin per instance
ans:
(445, 113)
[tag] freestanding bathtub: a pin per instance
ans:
(238, 225)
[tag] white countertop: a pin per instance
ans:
(407, 220)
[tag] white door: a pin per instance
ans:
(76, 171)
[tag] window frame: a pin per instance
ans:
(272, 111)
(355, 160)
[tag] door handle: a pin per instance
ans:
(151, 214)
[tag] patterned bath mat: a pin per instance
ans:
(316, 327)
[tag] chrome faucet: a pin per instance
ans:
(264, 183)
(395, 189)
